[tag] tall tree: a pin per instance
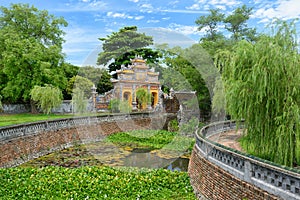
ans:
(92, 73)
(210, 23)
(120, 47)
(236, 23)
(79, 83)
(30, 50)
(69, 72)
(186, 72)
(262, 82)
(104, 84)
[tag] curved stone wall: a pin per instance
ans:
(20, 143)
(218, 172)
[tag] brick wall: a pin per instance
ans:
(212, 182)
(21, 149)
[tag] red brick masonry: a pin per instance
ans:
(22, 149)
(212, 182)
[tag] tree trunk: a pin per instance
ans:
(33, 107)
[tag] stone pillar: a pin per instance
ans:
(94, 94)
(134, 104)
(121, 92)
(149, 102)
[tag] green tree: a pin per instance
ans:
(152, 57)
(236, 23)
(104, 84)
(30, 50)
(120, 47)
(126, 40)
(79, 101)
(69, 72)
(47, 97)
(143, 97)
(94, 74)
(190, 69)
(114, 105)
(211, 23)
(80, 83)
(1, 107)
(262, 82)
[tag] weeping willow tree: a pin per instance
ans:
(262, 86)
(47, 97)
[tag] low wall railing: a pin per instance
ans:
(14, 131)
(278, 180)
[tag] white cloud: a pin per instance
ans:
(83, 6)
(146, 8)
(225, 2)
(116, 15)
(123, 16)
(195, 6)
(135, 1)
(283, 9)
(166, 18)
(153, 21)
(138, 17)
(221, 7)
(146, 5)
(185, 11)
(206, 7)
(183, 29)
(173, 3)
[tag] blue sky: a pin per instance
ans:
(168, 21)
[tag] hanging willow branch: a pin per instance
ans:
(262, 85)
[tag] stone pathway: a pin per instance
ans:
(229, 139)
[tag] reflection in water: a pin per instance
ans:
(151, 160)
(103, 153)
(180, 164)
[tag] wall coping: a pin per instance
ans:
(25, 129)
(278, 180)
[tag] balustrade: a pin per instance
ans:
(265, 175)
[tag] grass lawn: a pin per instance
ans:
(11, 119)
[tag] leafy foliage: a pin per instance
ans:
(150, 55)
(79, 101)
(30, 50)
(125, 107)
(236, 24)
(190, 69)
(47, 97)
(262, 86)
(211, 22)
(146, 138)
(151, 139)
(104, 84)
(114, 105)
(118, 43)
(120, 47)
(143, 97)
(78, 83)
(69, 72)
(93, 183)
(1, 104)
(94, 74)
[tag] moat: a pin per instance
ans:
(108, 154)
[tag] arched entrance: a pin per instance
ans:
(154, 99)
(127, 97)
